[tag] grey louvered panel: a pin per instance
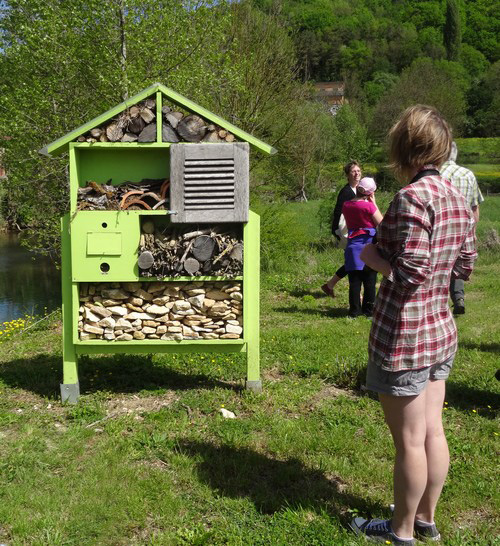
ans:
(209, 182)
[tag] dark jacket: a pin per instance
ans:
(345, 194)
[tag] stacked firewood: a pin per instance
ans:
(135, 124)
(149, 194)
(138, 124)
(186, 252)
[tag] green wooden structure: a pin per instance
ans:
(111, 237)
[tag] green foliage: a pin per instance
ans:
(452, 30)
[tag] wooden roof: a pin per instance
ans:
(61, 145)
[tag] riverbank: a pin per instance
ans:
(146, 457)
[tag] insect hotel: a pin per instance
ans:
(160, 252)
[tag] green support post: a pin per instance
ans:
(70, 387)
(251, 305)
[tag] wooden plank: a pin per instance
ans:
(198, 176)
(209, 162)
(214, 167)
(208, 201)
(177, 159)
(209, 183)
(241, 179)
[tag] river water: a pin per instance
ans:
(29, 284)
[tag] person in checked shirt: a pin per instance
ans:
(466, 182)
(426, 237)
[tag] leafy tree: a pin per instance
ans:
(452, 30)
(441, 84)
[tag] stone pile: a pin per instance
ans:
(170, 311)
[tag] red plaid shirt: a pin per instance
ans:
(427, 235)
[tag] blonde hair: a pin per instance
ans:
(420, 137)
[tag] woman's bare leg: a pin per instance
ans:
(406, 417)
(436, 449)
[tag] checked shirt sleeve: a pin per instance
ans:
(411, 261)
(468, 254)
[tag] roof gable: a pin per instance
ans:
(61, 145)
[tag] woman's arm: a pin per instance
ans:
(373, 259)
(377, 215)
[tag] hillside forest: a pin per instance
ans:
(253, 62)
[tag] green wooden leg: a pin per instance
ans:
(70, 387)
(251, 291)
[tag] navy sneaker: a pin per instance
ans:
(423, 530)
(378, 530)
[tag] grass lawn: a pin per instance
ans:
(146, 459)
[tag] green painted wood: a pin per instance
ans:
(251, 292)
(189, 279)
(178, 347)
(61, 145)
(125, 145)
(70, 370)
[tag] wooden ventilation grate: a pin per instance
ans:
(209, 182)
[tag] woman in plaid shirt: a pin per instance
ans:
(426, 236)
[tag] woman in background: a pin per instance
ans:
(425, 238)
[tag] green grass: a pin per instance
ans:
(146, 459)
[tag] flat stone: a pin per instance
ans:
(90, 316)
(114, 294)
(172, 337)
(108, 322)
(217, 295)
(85, 336)
(238, 296)
(101, 311)
(153, 336)
(147, 330)
(230, 336)
(181, 305)
(131, 286)
(139, 335)
(109, 337)
(172, 290)
(91, 290)
(230, 289)
(157, 309)
(117, 310)
(189, 312)
(135, 301)
(160, 330)
(93, 329)
(133, 307)
(236, 311)
(137, 323)
(110, 303)
(162, 300)
(151, 323)
(124, 337)
(200, 329)
(197, 301)
(155, 286)
(123, 324)
(233, 329)
(143, 294)
(207, 303)
(174, 329)
(195, 292)
(209, 335)
(143, 316)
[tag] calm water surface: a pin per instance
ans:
(28, 283)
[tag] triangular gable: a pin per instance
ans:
(61, 145)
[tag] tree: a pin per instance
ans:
(452, 30)
(442, 84)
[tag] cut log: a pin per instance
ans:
(81, 139)
(134, 112)
(237, 252)
(165, 109)
(136, 125)
(114, 132)
(222, 133)
(192, 128)
(191, 266)
(91, 140)
(96, 132)
(129, 137)
(146, 260)
(150, 103)
(103, 137)
(173, 120)
(148, 134)
(212, 137)
(148, 227)
(147, 115)
(203, 248)
(230, 137)
(168, 134)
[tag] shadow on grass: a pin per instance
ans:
(335, 312)
(462, 396)
(42, 374)
(485, 347)
(272, 484)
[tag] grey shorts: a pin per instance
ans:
(406, 382)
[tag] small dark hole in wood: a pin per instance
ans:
(104, 225)
(104, 267)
